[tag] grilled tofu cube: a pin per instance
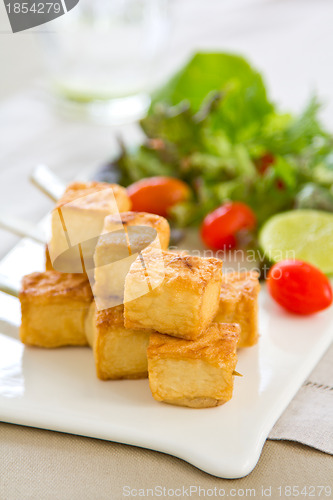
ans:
(54, 307)
(114, 254)
(195, 373)
(124, 237)
(126, 219)
(112, 260)
(79, 216)
(172, 293)
(120, 353)
(239, 304)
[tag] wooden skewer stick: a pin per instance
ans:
(7, 286)
(21, 227)
(43, 178)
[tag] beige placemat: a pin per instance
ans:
(43, 465)
(309, 417)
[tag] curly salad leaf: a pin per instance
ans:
(213, 126)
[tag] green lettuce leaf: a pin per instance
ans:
(212, 125)
(244, 99)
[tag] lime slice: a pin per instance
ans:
(300, 234)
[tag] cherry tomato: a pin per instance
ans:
(299, 287)
(157, 195)
(219, 228)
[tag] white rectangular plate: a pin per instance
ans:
(58, 390)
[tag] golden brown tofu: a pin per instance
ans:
(54, 307)
(195, 373)
(77, 190)
(114, 254)
(160, 224)
(112, 261)
(120, 353)
(79, 216)
(172, 293)
(239, 304)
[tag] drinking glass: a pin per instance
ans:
(102, 57)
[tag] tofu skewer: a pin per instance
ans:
(129, 219)
(186, 299)
(77, 222)
(239, 304)
(54, 307)
(191, 361)
(124, 237)
(119, 352)
(196, 373)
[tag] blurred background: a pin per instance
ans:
(289, 41)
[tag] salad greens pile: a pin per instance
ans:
(213, 126)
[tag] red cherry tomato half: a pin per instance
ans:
(299, 287)
(219, 228)
(157, 195)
